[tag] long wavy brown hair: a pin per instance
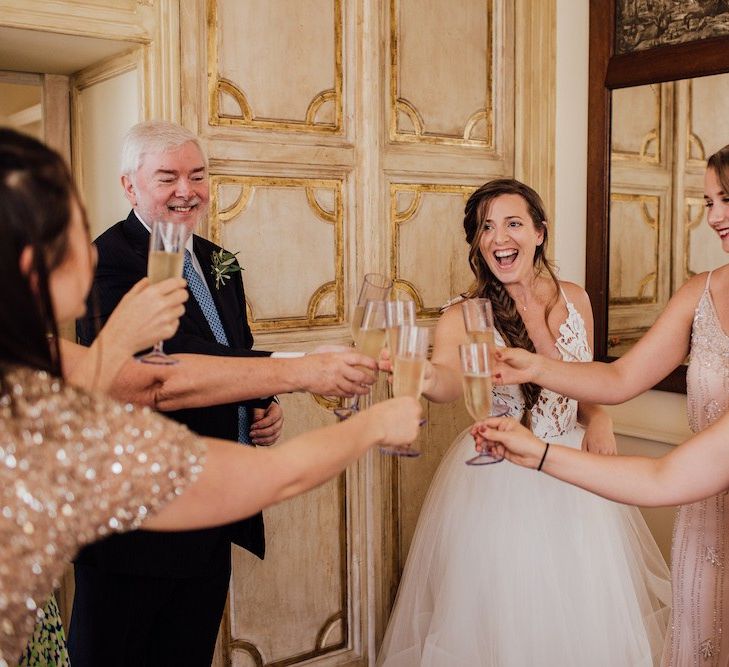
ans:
(507, 319)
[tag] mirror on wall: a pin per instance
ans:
(661, 135)
(657, 103)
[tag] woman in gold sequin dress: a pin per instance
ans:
(76, 466)
(695, 321)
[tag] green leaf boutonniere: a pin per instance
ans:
(224, 266)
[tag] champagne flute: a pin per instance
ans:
(478, 318)
(397, 313)
(375, 287)
(370, 340)
(409, 359)
(476, 367)
(166, 254)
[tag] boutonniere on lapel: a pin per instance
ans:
(224, 266)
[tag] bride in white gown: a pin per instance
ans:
(510, 568)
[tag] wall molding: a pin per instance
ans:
(536, 97)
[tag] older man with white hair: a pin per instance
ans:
(153, 598)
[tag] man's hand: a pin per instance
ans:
(336, 373)
(267, 424)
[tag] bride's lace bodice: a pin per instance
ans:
(553, 414)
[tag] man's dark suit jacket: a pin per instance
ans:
(122, 262)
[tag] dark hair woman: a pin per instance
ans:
(76, 466)
(505, 570)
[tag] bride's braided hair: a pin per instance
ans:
(507, 319)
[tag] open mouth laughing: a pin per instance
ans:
(505, 258)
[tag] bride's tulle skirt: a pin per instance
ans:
(510, 567)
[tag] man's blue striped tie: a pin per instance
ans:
(202, 295)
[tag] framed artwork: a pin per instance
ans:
(646, 24)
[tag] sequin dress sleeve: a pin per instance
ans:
(74, 467)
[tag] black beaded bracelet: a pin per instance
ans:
(544, 456)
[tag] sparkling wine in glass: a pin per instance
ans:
(371, 337)
(410, 357)
(369, 341)
(478, 318)
(165, 259)
(477, 391)
(375, 287)
(397, 313)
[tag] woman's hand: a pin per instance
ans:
(599, 437)
(514, 365)
(505, 437)
(146, 314)
(395, 421)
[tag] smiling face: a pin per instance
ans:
(717, 207)
(509, 239)
(170, 185)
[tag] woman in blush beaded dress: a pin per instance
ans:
(695, 321)
(76, 466)
(506, 570)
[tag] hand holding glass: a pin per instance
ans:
(476, 367)
(166, 253)
(409, 359)
(375, 287)
(370, 339)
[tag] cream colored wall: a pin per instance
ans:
(571, 139)
(108, 109)
(350, 153)
(650, 422)
(346, 514)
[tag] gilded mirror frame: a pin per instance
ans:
(609, 71)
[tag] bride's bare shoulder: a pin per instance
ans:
(452, 302)
(451, 318)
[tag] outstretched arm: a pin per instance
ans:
(697, 469)
(239, 481)
(656, 354)
(200, 380)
